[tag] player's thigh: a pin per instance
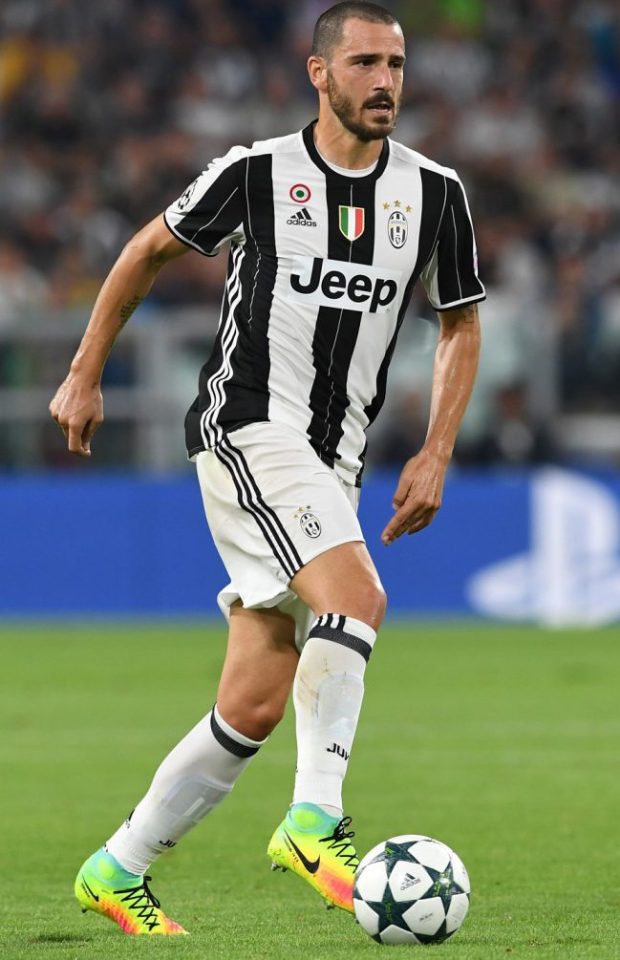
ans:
(343, 580)
(259, 667)
(272, 507)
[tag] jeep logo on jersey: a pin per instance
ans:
(397, 229)
(343, 285)
(351, 222)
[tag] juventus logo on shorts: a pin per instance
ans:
(309, 523)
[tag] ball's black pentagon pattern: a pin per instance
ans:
(395, 917)
(439, 937)
(378, 858)
(393, 852)
(374, 854)
(444, 885)
(390, 911)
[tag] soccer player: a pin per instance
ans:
(329, 229)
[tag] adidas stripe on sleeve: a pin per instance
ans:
(451, 275)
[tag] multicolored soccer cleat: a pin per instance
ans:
(318, 848)
(103, 886)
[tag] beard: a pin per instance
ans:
(352, 118)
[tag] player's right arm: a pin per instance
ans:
(207, 214)
(78, 406)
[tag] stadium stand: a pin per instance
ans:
(107, 111)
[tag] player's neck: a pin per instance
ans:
(342, 148)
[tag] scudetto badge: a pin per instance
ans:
(398, 229)
(351, 222)
(300, 193)
(310, 525)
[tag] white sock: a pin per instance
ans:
(199, 772)
(328, 693)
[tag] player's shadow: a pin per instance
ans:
(59, 938)
(567, 941)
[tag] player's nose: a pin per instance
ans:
(383, 78)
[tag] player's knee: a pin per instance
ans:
(375, 601)
(368, 604)
(365, 598)
(382, 601)
(262, 718)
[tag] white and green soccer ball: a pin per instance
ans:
(411, 889)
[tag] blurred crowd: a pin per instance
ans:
(108, 110)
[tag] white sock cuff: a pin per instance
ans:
(223, 733)
(348, 631)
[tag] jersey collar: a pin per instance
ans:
(315, 156)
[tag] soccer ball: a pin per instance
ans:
(411, 889)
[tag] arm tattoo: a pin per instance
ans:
(452, 318)
(128, 308)
(468, 313)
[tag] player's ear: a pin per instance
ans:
(317, 71)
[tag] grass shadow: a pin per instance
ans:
(59, 938)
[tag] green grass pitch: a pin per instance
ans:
(502, 741)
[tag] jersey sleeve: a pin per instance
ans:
(451, 275)
(210, 211)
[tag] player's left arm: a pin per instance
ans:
(420, 488)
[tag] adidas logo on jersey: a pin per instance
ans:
(345, 286)
(301, 218)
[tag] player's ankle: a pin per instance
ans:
(109, 867)
(310, 816)
(332, 811)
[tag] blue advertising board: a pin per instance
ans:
(538, 546)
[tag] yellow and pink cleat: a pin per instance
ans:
(104, 886)
(317, 848)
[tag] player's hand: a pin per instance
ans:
(77, 408)
(418, 495)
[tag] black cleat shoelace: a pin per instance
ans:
(143, 901)
(340, 841)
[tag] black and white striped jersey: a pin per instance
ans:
(321, 269)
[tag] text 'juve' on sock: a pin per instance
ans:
(327, 693)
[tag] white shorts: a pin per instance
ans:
(272, 506)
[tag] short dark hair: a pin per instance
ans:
(328, 28)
